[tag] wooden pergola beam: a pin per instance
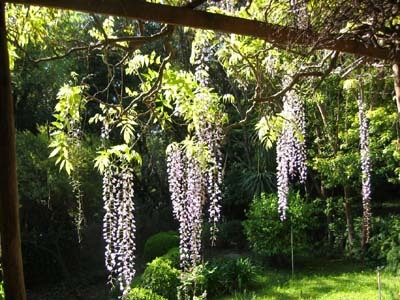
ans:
(9, 209)
(181, 16)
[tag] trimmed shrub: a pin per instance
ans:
(159, 244)
(142, 294)
(162, 278)
(173, 256)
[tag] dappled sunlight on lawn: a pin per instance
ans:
(337, 283)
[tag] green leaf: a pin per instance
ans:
(350, 84)
(55, 151)
(68, 167)
(102, 161)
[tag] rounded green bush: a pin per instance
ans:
(142, 294)
(162, 278)
(159, 244)
(173, 256)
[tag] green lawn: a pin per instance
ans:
(325, 280)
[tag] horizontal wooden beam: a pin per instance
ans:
(181, 16)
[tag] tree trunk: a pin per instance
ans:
(9, 215)
(349, 218)
(396, 72)
(328, 215)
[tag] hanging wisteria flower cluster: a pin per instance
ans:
(192, 183)
(195, 177)
(186, 188)
(79, 217)
(227, 6)
(212, 135)
(75, 177)
(365, 168)
(299, 9)
(291, 149)
(119, 223)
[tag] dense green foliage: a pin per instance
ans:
(162, 278)
(384, 246)
(173, 256)
(159, 244)
(226, 276)
(269, 236)
(218, 277)
(194, 283)
(215, 278)
(142, 294)
(48, 208)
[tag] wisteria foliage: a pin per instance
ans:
(291, 149)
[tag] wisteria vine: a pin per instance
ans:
(291, 149)
(365, 168)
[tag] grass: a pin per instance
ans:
(323, 280)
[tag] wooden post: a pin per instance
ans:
(14, 285)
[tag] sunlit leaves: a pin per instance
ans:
(269, 129)
(140, 61)
(342, 168)
(66, 127)
(122, 153)
(28, 24)
(192, 100)
(38, 27)
(108, 28)
(350, 85)
(127, 124)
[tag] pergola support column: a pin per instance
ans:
(11, 255)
